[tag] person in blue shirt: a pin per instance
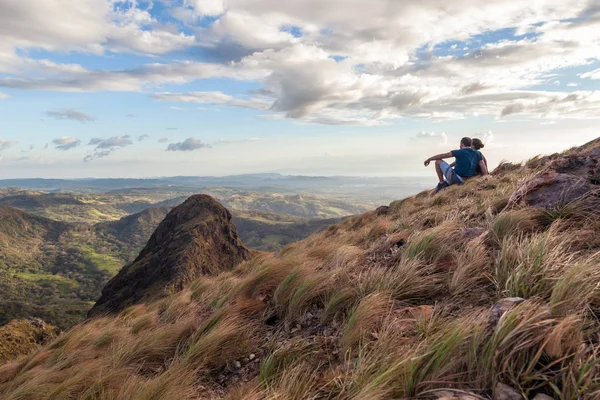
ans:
(467, 161)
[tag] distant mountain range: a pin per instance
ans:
(360, 189)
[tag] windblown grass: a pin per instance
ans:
(377, 307)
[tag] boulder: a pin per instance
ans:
(564, 178)
(21, 337)
(541, 396)
(382, 210)
(502, 307)
(505, 392)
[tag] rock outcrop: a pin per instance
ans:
(563, 179)
(21, 337)
(194, 239)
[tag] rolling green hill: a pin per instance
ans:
(55, 270)
(103, 207)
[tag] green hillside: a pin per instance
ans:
(55, 270)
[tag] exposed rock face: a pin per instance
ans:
(194, 239)
(21, 337)
(501, 307)
(505, 392)
(382, 210)
(563, 179)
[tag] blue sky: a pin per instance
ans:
(192, 87)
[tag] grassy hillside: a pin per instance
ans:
(487, 289)
(55, 270)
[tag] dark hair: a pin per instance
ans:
(477, 144)
(466, 142)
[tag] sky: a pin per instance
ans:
(106, 88)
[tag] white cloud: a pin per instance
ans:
(194, 97)
(66, 143)
(3, 96)
(105, 147)
(207, 7)
(70, 114)
(591, 75)
(91, 26)
(360, 63)
(188, 144)
(214, 98)
(113, 142)
(7, 144)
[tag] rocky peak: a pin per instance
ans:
(194, 239)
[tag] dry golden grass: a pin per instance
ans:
(377, 307)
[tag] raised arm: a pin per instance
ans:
(483, 166)
(438, 157)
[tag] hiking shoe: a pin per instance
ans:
(441, 186)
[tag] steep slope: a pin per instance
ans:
(486, 290)
(194, 239)
(127, 236)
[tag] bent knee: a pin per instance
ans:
(438, 162)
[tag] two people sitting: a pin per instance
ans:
(469, 163)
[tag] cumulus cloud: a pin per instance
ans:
(95, 26)
(142, 137)
(105, 147)
(113, 142)
(591, 74)
(3, 96)
(7, 144)
(163, 140)
(188, 144)
(66, 143)
(487, 137)
(97, 154)
(70, 114)
(206, 7)
(365, 63)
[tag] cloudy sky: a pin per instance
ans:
(199, 87)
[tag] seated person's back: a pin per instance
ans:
(466, 161)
